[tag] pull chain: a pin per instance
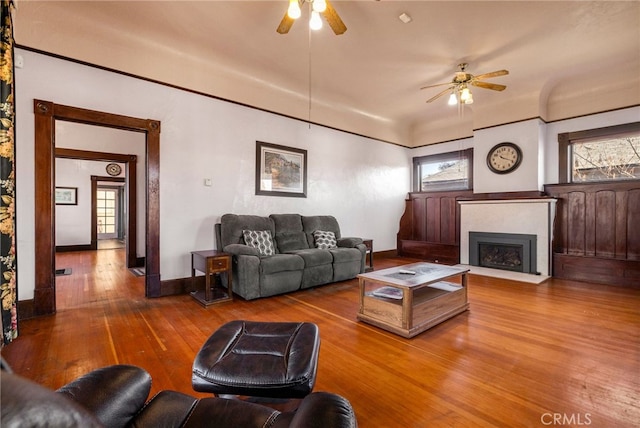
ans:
(309, 118)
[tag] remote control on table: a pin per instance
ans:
(407, 272)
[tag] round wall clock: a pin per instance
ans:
(114, 169)
(504, 158)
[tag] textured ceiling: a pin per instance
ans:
(565, 58)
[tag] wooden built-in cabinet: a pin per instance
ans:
(597, 232)
(430, 226)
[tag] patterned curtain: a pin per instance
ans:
(7, 182)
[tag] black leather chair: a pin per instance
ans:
(258, 359)
(116, 396)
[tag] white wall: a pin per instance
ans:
(73, 222)
(362, 182)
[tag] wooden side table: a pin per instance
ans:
(369, 244)
(211, 262)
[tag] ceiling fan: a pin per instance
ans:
(318, 7)
(459, 86)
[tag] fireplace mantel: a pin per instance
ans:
(527, 216)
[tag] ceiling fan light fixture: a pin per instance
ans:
(453, 99)
(294, 10)
(315, 23)
(405, 18)
(465, 94)
(319, 5)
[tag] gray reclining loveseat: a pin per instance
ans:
(287, 252)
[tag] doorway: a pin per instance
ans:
(109, 205)
(46, 115)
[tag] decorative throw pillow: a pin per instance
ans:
(324, 239)
(260, 239)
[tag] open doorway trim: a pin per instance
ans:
(46, 114)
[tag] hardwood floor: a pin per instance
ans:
(561, 353)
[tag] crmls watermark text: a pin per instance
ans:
(573, 419)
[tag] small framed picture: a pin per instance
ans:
(66, 196)
(280, 170)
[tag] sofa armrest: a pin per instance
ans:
(241, 250)
(349, 242)
(324, 410)
(114, 394)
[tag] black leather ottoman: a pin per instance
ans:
(259, 359)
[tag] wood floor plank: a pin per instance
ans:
(522, 353)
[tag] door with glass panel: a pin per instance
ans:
(107, 212)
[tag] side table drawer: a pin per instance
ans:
(218, 264)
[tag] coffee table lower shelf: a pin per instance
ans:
(418, 327)
(416, 307)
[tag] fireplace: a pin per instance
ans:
(507, 251)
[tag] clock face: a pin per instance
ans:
(114, 169)
(504, 158)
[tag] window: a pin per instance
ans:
(603, 154)
(445, 171)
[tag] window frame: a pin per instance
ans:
(442, 157)
(566, 139)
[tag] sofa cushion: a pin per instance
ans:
(260, 239)
(280, 263)
(314, 257)
(291, 241)
(287, 222)
(232, 226)
(324, 239)
(320, 222)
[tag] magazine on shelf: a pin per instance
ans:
(446, 286)
(388, 292)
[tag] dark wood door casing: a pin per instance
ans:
(46, 113)
(130, 162)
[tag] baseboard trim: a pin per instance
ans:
(67, 248)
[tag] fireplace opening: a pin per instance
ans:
(500, 256)
(507, 251)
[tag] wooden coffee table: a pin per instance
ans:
(408, 304)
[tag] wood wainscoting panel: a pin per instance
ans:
(596, 232)
(430, 226)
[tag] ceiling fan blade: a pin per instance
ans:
(492, 74)
(334, 20)
(433, 86)
(285, 24)
(446, 91)
(488, 85)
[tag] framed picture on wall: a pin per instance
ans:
(66, 196)
(280, 170)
